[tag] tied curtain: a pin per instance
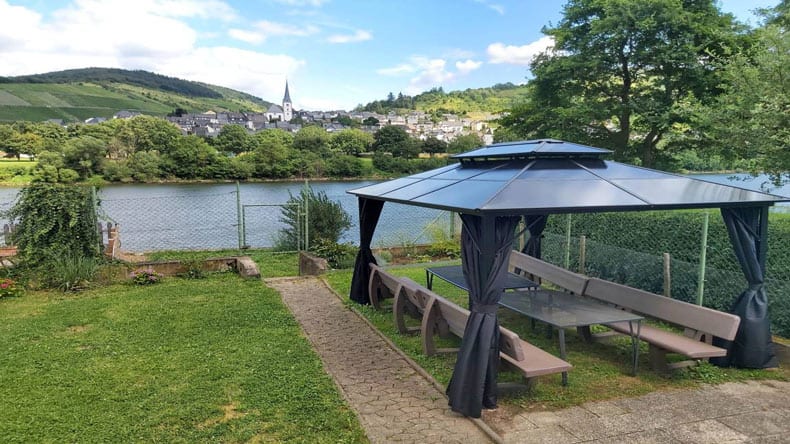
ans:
(369, 212)
(747, 229)
(486, 242)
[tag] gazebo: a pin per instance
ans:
(493, 187)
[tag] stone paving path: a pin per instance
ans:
(748, 412)
(393, 402)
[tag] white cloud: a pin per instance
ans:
(358, 36)
(246, 36)
(518, 55)
(277, 29)
(314, 3)
(467, 66)
(111, 34)
(493, 6)
(432, 73)
(404, 68)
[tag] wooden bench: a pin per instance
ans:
(699, 324)
(541, 271)
(443, 317)
(382, 285)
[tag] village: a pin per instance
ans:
(418, 124)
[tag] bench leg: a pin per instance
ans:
(658, 359)
(585, 333)
(399, 307)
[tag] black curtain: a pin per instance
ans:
(486, 242)
(369, 212)
(535, 225)
(748, 231)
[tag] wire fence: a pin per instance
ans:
(683, 254)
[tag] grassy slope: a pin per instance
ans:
(213, 360)
(79, 101)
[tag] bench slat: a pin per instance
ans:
(714, 322)
(673, 342)
(565, 279)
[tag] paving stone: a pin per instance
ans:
(706, 432)
(656, 436)
(393, 402)
(755, 424)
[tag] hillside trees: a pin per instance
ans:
(233, 139)
(351, 141)
(622, 71)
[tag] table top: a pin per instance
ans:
(454, 274)
(564, 310)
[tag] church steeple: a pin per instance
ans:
(287, 104)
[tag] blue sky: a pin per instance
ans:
(335, 53)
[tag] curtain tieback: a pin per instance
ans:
(485, 308)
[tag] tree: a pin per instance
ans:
(312, 138)
(434, 145)
(395, 140)
(351, 141)
(751, 120)
(370, 121)
(272, 153)
(464, 143)
(85, 155)
(233, 139)
(621, 71)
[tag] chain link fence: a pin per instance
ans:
(686, 255)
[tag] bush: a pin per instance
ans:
(68, 272)
(145, 277)
(9, 288)
(337, 255)
(55, 221)
(327, 220)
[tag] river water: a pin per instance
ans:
(206, 216)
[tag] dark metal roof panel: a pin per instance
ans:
(533, 148)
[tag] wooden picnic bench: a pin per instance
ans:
(541, 271)
(407, 297)
(443, 317)
(699, 324)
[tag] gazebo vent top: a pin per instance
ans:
(533, 149)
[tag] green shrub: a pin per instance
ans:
(145, 277)
(338, 255)
(68, 272)
(327, 220)
(10, 288)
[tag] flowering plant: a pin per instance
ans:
(145, 277)
(9, 287)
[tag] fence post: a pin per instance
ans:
(243, 228)
(568, 243)
(306, 217)
(95, 214)
(582, 253)
(667, 276)
(702, 258)
(239, 216)
(452, 225)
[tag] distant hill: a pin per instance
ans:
(470, 101)
(78, 94)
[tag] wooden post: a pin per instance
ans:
(667, 276)
(582, 253)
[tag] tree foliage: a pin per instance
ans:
(621, 72)
(327, 220)
(54, 220)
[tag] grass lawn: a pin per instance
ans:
(270, 263)
(212, 360)
(600, 370)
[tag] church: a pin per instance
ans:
(282, 113)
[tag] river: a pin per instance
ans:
(205, 216)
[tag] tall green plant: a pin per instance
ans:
(327, 220)
(54, 220)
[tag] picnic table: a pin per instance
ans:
(563, 310)
(454, 274)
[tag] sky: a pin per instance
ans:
(335, 54)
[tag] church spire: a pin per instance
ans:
(287, 97)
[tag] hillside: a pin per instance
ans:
(78, 94)
(470, 101)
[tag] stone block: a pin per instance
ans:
(310, 265)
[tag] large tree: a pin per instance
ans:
(621, 70)
(751, 120)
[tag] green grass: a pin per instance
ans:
(212, 360)
(600, 370)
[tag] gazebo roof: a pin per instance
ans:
(553, 176)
